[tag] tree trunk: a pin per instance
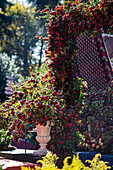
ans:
(25, 57)
(26, 65)
(41, 52)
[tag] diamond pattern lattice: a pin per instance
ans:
(92, 61)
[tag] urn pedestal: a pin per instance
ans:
(43, 137)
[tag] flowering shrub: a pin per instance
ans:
(97, 124)
(3, 119)
(49, 163)
(34, 101)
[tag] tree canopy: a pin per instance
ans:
(41, 4)
(20, 42)
(4, 19)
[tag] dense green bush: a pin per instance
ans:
(5, 139)
(97, 120)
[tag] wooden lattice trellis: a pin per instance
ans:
(93, 63)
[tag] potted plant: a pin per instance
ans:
(32, 103)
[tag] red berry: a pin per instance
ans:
(62, 143)
(38, 12)
(19, 107)
(57, 106)
(62, 108)
(75, 92)
(34, 117)
(20, 132)
(41, 119)
(40, 123)
(36, 37)
(28, 106)
(19, 115)
(69, 138)
(21, 125)
(69, 115)
(12, 109)
(30, 114)
(46, 117)
(30, 128)
(36, 101)
(8, 134)
(63, 137)
(70, 31)
(66, 118)
(46, 9)
(75, 37)
(71, 124)
(40, 104)
(44, 92)
(48, 106)
(53, 13)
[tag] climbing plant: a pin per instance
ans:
(66, 23)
